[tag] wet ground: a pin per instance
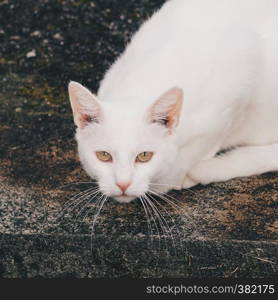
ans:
(43, 45)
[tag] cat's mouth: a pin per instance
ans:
(124, 198)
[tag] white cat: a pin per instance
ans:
(198, 77)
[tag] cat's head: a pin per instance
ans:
(125, 146)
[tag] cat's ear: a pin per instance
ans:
(166, 110)
(85, 106)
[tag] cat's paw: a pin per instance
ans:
(203, 172)
(188, 182)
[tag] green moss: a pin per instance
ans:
(41, 98)
(43, 93)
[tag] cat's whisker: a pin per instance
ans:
(75, 196)
(173, 205)
(68, 204)
(171, 218)
(190, 190)
(77, 183)
(165, 184)
(173, 186)
(145, 200)
(99, 200)
(95, 205)
(92, 207)
(91, 198)
(76, 200)
(178, 208)
(161, 225)
(165, 197)
(100, 204)
(161, 221)
(73, 199)
(150, 232)
(83, 193)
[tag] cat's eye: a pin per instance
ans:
(104, 156)
(144, 157)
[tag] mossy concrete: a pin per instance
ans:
(82, 256)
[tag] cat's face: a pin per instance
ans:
(126, 149)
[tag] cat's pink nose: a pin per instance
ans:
(123, 185)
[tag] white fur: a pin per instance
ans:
(224, 56)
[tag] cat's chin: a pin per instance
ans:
(124, 199)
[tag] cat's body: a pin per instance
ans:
(223, 55)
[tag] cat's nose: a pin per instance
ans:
(123, 185)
